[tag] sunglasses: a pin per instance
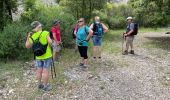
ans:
(80, 21)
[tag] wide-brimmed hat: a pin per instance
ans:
(129, 18)
(35, 24)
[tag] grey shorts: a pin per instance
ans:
(129, 39)
(43, 63)
(56, 48)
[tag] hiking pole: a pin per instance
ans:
(54, 67)
(52, 70)
(123, 40)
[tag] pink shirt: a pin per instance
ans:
(56, 33)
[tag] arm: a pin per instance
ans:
(105, 28)
(131, 26)
(89, 35)
(54, 36)
(27, 43)
(131, 31)
(49, 40)
(91, 26)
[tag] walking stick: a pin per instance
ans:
(52, 71)
(54, 68)
(123, 40)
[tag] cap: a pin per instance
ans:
(35, 24)
(55, 22)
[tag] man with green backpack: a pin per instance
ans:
(98, 30)
(40, 42)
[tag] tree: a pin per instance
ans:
(82, 8)
(7, 7)
(155, 12)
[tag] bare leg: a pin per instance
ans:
(94, 51)
(54, 56)
(131, 46)
(45, 76)
(99, 51)
(39, 74)
(85, 61)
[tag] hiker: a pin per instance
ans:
(129, 36)
(83, 35)
(98, 29)
(56, 37)
(42, 59)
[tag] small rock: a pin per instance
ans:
(11, 91)
(102, 87)
(168, 79)
(16, 80)
(90, 76)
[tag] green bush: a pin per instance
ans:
(12, 38)
(12, 41)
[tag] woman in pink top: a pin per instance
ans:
(56, 38)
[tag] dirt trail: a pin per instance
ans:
(143, 76)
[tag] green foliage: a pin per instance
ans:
(82, 8)
(13, 40)
(114, 15)
(151, 13)
(6, 9)
(12, 37)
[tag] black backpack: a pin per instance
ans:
(98, 29)
(135, 30)
(38, 48)
(51, 35)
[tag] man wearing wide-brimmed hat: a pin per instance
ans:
(42, 62)
(129, 37)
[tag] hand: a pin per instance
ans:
(30, 34)
(125, 35)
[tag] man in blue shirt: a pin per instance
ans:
(129, 37)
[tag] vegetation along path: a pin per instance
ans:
(143, 76)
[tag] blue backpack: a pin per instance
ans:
(98, 29)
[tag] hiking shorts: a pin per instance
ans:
(55, 47)
(83, 51)
(97, 41)
(43, 63)
(129, 39)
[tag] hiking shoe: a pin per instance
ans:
(84, 66)
(40, 86)
(81, 64)
(132, 52)
(125, 52)
(47, 87)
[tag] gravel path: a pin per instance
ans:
(133, 77)
(143, 76)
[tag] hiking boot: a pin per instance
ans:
(47, 87)
(40, 86)
(125, 52)
(132, 52)
(84, 66)
(81, 64)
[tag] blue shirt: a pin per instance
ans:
(130, 27)
(82, 35)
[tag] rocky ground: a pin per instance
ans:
(143, 76)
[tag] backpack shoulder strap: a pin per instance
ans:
(32, 39)
(40, 36)
(86, 30)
